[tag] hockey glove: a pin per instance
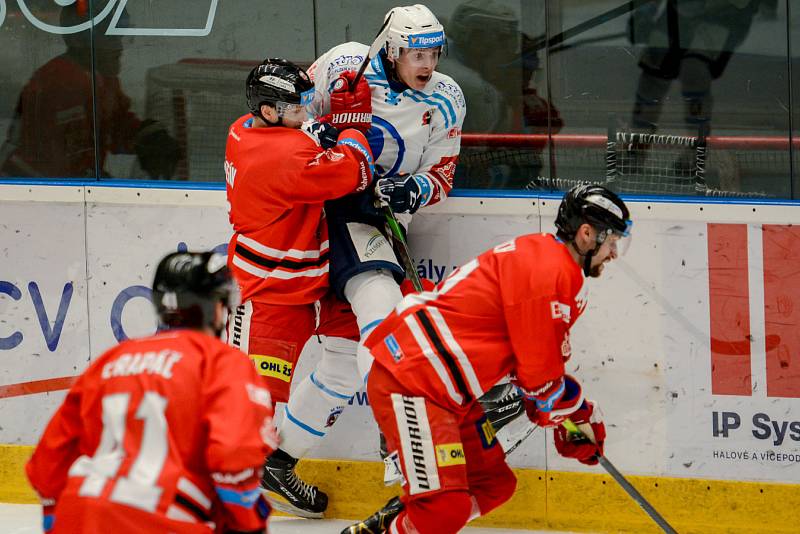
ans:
(350, 108)
(325, 134)
(580, 447)
(555, 401)
(404, 194)
(158, 152)
(502, 404)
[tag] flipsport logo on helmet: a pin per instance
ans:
(426, 40)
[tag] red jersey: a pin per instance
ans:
(278, 180)
(508, 311)
(165, 433)
(53, 128)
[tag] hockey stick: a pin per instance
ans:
(374, 48)
(585, 431)
(402, 247)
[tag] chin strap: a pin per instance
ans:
(587, 262)
(587, 256)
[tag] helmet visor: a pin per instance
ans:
(295, 112)
(619, 242)
(420, 57)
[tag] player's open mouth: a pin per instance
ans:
(424, 78)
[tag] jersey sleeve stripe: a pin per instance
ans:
(179, 514)
(416, 98)
(449, 105)
(187, 487)
(187, 506)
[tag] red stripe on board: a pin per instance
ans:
(782, 308)
(729, 308)
(37, 386)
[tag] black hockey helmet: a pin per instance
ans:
(187, 287)
(595, 205)
(277, 80)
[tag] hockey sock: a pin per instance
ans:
(320, 397)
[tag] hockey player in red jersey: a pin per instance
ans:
(279, 176)
(165, 433)
(507, 312)
(73, 113)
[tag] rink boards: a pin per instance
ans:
(689, 343)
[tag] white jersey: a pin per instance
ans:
(413, 132)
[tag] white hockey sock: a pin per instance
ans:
(372, 295)
(319, 399)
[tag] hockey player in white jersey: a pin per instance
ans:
(415, 137)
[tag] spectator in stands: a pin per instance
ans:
(691, 40)
(498, 90)
(53, 131)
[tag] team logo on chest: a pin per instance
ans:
(426, 117)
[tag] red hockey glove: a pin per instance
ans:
(350, 108)
(583, 448)
(550, 404)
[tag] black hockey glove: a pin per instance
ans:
(403, 193)
(158, 152)
(502, 404)
(326, 134)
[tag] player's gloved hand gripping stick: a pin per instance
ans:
(584, 431)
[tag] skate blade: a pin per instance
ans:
(360, 528)
(278, 502)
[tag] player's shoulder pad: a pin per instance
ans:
(449, 88)
(342, 58)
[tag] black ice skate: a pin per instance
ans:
(289, 493)
(379, 521)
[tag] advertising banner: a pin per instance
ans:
(689, 342)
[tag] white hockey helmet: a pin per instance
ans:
(412, 27)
